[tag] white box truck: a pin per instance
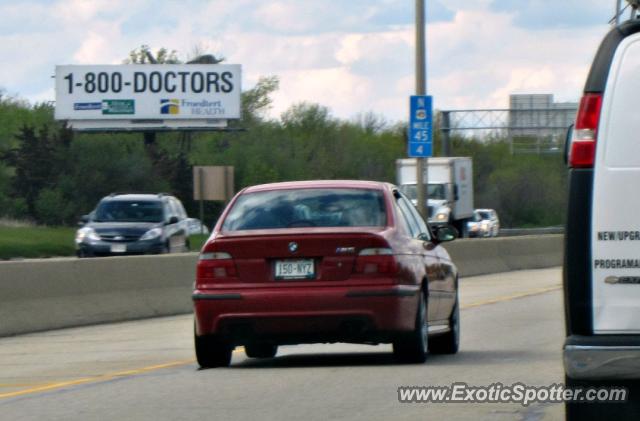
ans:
(450, 191)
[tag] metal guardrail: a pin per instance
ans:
(514, 232)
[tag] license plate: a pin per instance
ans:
(118, 248)
(295, 269)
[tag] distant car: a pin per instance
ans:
(324, 261)
(485, 223)
(124, 224)
(195, 227)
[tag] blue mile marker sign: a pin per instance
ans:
(420, 126)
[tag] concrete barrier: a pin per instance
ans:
(494, 255)
(37, 295)
(46, 294)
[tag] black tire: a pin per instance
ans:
(261, 350)
(211, 352)
(461, 226)
(448, 343)
(413, 347)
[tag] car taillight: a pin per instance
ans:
(376, 261)
(585, 132)
(215, 266)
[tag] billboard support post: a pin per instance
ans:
(149, 138)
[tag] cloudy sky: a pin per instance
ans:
(353, 56)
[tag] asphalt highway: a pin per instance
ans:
(512, 331)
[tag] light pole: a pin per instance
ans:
(421, 89)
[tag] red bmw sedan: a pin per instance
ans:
(323, 262)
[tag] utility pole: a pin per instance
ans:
(421, 89)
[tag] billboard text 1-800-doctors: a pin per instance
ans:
(148, 91)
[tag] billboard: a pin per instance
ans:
(151, 95)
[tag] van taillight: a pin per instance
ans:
(585, 132)
(374, 261)
(215, 266)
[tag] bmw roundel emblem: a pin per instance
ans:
(293, 247)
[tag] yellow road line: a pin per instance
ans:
(511, 297)
(103, 377)
(5, 385)
(100, 378)
(134, 372)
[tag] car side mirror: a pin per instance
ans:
(424, 237)
(567, 144)
(172, 220)
(446, 233)
(456, 196)
(83, 220)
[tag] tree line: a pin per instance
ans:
(52, 175)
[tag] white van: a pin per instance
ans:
(602, 243)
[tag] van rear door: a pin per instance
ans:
(615, 229)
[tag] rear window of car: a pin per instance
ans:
(129, 211)
(307, 208)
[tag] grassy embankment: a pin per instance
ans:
(36, 241)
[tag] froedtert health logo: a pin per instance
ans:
(169, 106)
(118, 106)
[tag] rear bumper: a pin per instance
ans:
(297, 315)
(103, 248)
(603, 357)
